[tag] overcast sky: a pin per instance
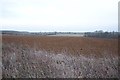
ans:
(59, 15)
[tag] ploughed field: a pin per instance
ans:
(59, 57)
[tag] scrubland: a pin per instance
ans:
(59, 57)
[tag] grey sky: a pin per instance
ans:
(59, 15)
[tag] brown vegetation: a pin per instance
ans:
(59, 57)
(73, 45)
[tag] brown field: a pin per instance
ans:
(74, 45)
(48, 48)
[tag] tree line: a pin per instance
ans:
(101, 34)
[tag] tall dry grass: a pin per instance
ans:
(74, 45)
(59, 57)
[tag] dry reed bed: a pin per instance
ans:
(73, 45)
(59, 57)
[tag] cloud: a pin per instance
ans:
(59, 12)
